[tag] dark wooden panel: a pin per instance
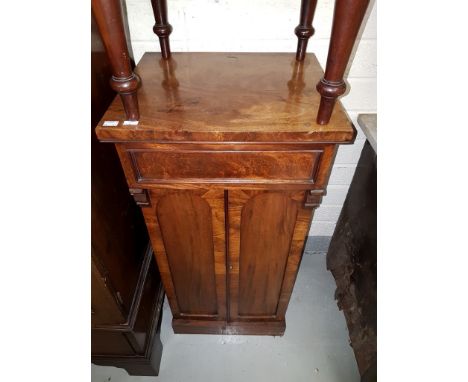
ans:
(134, 345)
(157, 166)
(187, 232)
(104, 308)
(111, 343)
(262, 262)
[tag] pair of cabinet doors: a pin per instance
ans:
(227, 255)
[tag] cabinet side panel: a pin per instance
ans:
(267, 226)
(186, 227)
(304, 219)
(104, 309)
(110, 343)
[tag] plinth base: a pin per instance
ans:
(258, 328)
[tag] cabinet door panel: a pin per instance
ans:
(264, 230)
(267, 225)
(186, 229)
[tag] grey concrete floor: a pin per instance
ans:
(314, 347)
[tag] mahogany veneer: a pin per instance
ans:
(227, 164)
(228, 97)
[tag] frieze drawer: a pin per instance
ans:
(222, 166)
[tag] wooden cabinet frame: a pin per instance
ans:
(228, 165)
(218, 278)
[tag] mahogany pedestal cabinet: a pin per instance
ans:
(228, 155)
(227, 164)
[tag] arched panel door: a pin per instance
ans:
(267, 230)
(187, 233)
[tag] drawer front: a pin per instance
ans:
(223, 166)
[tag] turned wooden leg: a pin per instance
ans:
(162, 28)
(347, 20)
(108, 17)
(304, 30)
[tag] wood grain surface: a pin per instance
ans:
(154, 165)
(186, 228)
(267, 230)
(236, 97)
(262, 262)
(228, 164)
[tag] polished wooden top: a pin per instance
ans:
(227, 97)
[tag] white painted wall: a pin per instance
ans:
(268, 26)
